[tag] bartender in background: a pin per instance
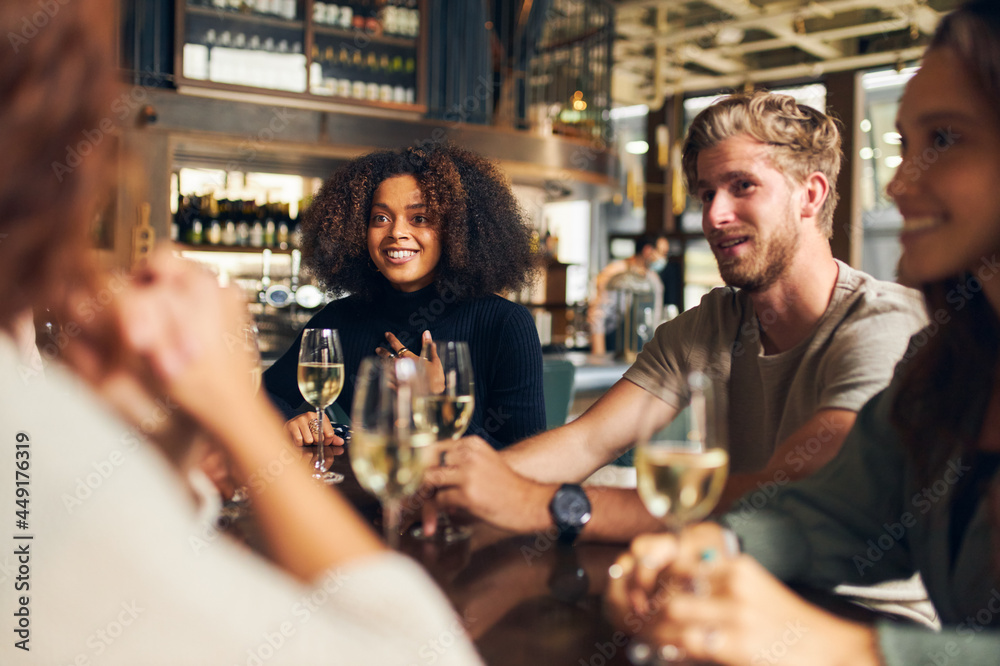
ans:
(649, 259)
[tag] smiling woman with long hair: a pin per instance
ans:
(915, 487)
(421, 241)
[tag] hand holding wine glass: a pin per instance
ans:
(321, 378)
(451, 403)
(680, 480)
(392, 437)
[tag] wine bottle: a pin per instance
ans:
(357, 80)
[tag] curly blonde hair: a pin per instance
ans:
(802, 139)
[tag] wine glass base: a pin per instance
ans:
(445, 533)
(329, 478)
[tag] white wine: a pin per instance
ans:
(678, 486)
(320, 383)
(387, 467)
(449, 415)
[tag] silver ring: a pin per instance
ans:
(442, 459)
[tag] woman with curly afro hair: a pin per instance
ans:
(419, 242)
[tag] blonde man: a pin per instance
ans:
(800, 339)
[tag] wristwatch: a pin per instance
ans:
(570, 510)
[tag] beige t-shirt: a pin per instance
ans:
(848, 359)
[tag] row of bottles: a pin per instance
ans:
(399, 18)
(375, 76)
(234, 223)
(284, 9)
(252, 40)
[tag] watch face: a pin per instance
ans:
(572, 506)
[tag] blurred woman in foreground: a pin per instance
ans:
(914, 488)
(104, 520)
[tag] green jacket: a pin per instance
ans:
(861, 520)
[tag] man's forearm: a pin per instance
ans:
(557, 456)
(617, 515)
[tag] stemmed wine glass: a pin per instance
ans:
(449, 370)
(321, 378)
(680, 480)
(392, 437)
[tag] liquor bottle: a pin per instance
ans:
(195, 236)
(413, 18)
(385, 78)
(257, 234)
(397, 77)
(243, 234)
(229, 233)
(357, 80)
(345, 74)
(371, 76)
(346, 17)
(411, 83)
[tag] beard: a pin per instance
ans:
(771, 258)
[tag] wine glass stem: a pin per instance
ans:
(320, 454)
(391, 516)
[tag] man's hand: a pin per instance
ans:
(475, 479)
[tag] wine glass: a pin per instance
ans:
(251, 346)
(680, 479)
(321, 378)
(391, 434)
(449, 370)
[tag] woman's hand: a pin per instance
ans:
(727, 610)
(300, 429)
(435, 372)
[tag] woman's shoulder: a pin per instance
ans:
(337, 309)
(498, 308)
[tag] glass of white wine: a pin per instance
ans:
(452, 401)
(680, 480)
(391, 436)
(321, 378)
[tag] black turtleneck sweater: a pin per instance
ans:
(506, 354)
